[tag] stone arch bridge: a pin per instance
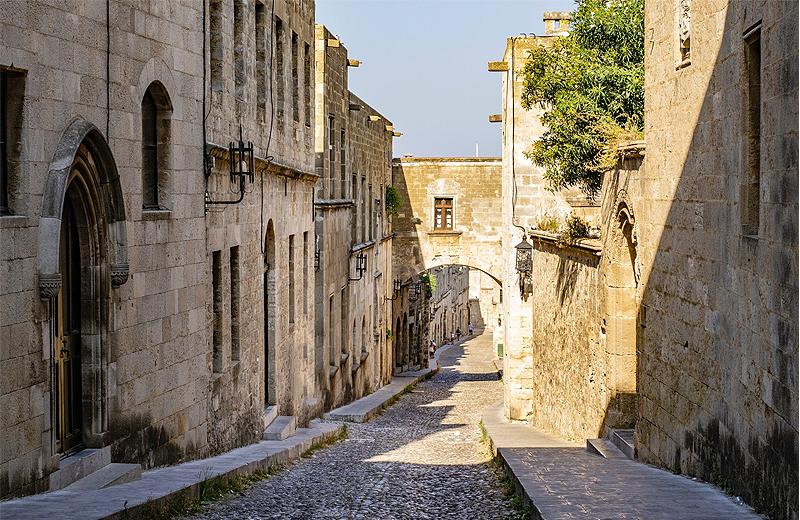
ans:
(451, 214)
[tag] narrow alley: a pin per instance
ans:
(422, 458)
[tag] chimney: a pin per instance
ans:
(556, 23)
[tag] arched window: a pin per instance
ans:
(149, 151)
(156, 112)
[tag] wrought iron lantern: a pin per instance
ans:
(524, 266)
(361, 267)
(241, 160)
(395, 290)
(414, 291)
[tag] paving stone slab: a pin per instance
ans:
(157, 487)
(560, 480)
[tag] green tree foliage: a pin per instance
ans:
(393, 200)
(591, 84)
(429, 282)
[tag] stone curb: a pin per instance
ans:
(159, 487)
(364, 409)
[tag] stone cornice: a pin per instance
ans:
(589, 245)
(333, 203)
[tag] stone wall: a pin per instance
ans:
(568, 375)
(272, 228)
(717, 366)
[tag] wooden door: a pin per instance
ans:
(67, 341)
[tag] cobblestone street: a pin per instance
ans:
(422, 458)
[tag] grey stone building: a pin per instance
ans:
(353, 281)
(143, 315)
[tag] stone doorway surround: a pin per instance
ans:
(84, 166)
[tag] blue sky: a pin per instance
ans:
(424, 65)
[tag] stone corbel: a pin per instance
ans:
(49, 285)
(119, 274)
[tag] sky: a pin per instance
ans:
(424, 65)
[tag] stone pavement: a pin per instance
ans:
(422, 458)
(561, 480)
(159, 486)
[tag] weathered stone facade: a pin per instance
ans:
(686, 326)
(353, 145)
(449, 303)
(715, 214)
(113, 216)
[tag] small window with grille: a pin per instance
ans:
(443, 213)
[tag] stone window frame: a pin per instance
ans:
(683, 47)
(440, 224)
(280, 73)
(162, 148)
(750, 192)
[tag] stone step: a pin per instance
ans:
(623, 439)
(282, 427)
(107, 476)
(269, 415)
(79, 465)
(605, 448)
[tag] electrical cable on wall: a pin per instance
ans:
(262, 242)
(510, 79)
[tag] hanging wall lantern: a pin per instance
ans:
(241, 160)
(361, 267)
(524, 266)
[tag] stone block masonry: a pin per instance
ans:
(138, 313)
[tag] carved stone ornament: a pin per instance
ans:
(49, 285)
(684, 28)
(119, 274)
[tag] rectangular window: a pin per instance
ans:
(443, 213)
(752, 182)
(3, 144)
(370, 208)
(331, 157)
(279, 72)
(306, 281)
(343, 322)
(343, 161)
(291, 279)
(261, 55)
(235, 303)
(239, 47)
(331, 336)
(363, 209)
(12, 96)
(217, 309)
(217, 49)
(295, 79)
(308, 66)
